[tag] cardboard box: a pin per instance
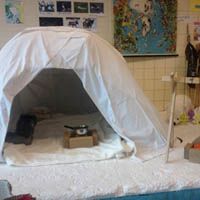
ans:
(72, 140)
(187, 150)
(192, 154)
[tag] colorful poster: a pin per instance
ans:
(194, 5)
(14, 11)
(145, 26)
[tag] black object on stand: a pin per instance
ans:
(191, 57)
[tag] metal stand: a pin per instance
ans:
(170, 132)
(174, 79)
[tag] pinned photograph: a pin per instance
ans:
(14, 12)
(51, 21)
(46, 6)
(74, 22)
(89, 23)
(81, 7)
(97, 8)
(64, 6)
(196, 31)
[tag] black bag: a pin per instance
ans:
(191, 56)
(25, 125)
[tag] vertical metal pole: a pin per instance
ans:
(170, 132)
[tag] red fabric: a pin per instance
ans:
(25, 197)
(22, 197)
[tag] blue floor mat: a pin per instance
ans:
(189, 194)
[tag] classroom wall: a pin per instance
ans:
(31, 13)
(148, 71)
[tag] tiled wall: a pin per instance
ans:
(148, 71)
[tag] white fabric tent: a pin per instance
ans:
(101, 69)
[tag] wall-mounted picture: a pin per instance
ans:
(74, 22)
(64, 6)
(145, 27)
(81, 7)
(14, 12)
(196, 31)
(89, 23)
(51, 21)
(194, 5)
(96, 8)
(46, 6)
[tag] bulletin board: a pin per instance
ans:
(145, 27)
(91, 15)
(76, 14)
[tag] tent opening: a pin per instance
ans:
(53, 91)
(57, 98)
(52, 95)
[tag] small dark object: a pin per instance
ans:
(180, 140)
(13, 137)
(191, 56)
(174, 123)
(26, 125)
(24, 130)
(79, 130)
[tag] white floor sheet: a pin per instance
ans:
(47, 147)
(115, 177)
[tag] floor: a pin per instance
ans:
(114, 177)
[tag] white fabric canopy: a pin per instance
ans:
(101, 69)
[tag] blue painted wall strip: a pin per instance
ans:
(189, 194)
